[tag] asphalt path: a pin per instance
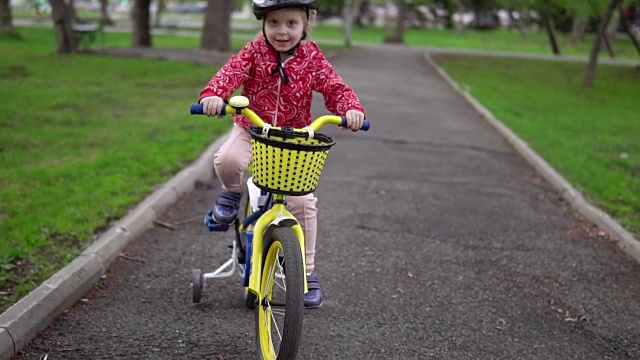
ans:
(436, 241)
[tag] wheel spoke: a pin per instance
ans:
(269, 326)
(275, 324)
(272, 277)
(277, 273)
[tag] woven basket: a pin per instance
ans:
(287, 162)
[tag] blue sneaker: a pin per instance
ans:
(226, 209)
(212, 225)
(313, 298)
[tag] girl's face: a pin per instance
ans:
(284, 27)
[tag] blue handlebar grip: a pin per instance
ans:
(197, 109)
(365, 124)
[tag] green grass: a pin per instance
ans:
(590, 135)
(123, 40)
(496, 40)
(83, 139)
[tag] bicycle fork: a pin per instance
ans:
(278, 215)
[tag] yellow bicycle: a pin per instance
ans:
(268, 249)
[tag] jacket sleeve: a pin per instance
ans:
(231, 75)
(338, 96)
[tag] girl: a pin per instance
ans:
(277, 72)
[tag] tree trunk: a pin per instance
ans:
(397, 37)
(104, 13)
(363, 15)
(461, 8)
(450, 8)
(590, 71)
(6, 20)
(140, 18)
(349, 13)
(517, 23)
(157, 22)
(550, 27)
(62, 20)
(216, 32)
(610, 34)
(71, 6)
(607, 44)
(577, 30)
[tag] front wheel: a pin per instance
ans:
(279, 309)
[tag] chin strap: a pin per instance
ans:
(280, 69)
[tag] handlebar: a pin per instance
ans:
(197, 109)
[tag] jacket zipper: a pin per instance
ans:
(275, 116)
(275, 119)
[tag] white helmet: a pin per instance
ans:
(261, 7)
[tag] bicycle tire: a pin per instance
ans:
(281, 242)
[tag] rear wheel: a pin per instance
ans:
(279, 310)
(197, 284)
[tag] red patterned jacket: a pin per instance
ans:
(274, 101)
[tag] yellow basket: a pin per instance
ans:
(287, 162)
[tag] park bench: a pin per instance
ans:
(86, 34)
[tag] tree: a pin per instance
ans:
(62, 21)
(398, 35)
(216, 32)
(483, 13)
(162, 6)
(578, 29)
(549, 25)
(140, 17)
(365, 14)
(349, 14)
(328, 8)
(6, 20)
(71, 7)
(449, 8)
(590, 72)
(104, 13)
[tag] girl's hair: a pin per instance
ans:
(309, 22)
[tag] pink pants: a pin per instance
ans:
(230, 163)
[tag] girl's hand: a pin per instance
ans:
(354, 119)
(212, 105)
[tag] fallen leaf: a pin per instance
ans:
(501, 324)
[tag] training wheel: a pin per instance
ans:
(197, 284)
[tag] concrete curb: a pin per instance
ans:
(33, 313)
(623, 239)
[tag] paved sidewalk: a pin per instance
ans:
(437, 241)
